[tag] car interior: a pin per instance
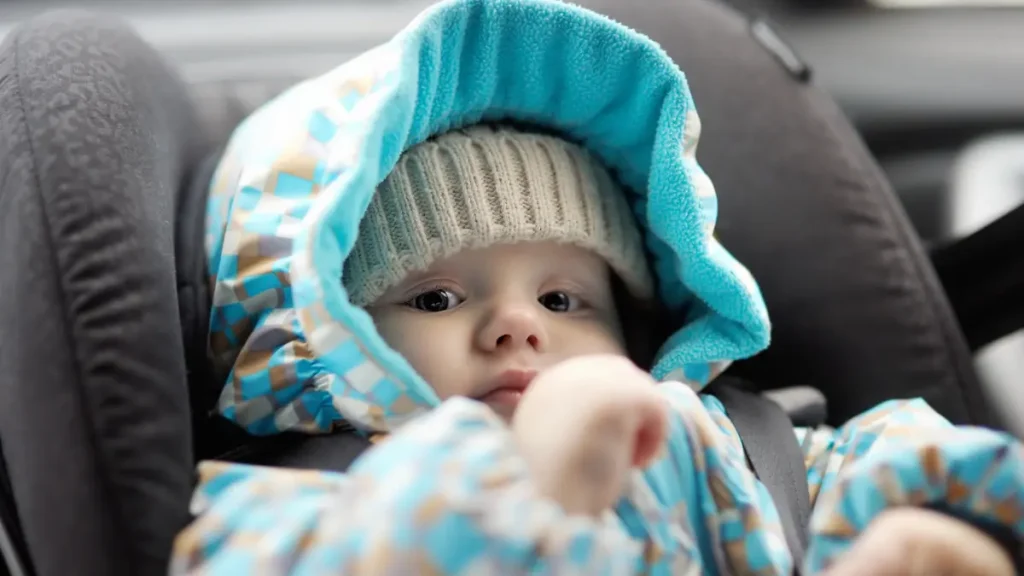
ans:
(867, 157)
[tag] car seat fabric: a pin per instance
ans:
(97, 135)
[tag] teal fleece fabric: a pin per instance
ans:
(298, 175)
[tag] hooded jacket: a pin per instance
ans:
(447, 493)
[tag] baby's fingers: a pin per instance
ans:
(651, 430)
(917, 542)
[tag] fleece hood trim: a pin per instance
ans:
(298, 175)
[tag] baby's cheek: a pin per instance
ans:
(430, 348)
(441, 375)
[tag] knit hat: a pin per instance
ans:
(487, 185)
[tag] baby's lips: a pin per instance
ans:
(506, 391)
(502, 397)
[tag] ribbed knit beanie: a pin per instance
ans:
(487, 185)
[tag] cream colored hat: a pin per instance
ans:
(485, 185)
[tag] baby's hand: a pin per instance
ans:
(583, 424)
(912, 542)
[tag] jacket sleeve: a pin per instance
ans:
(720, 513)
(445, 495)
(903, 453)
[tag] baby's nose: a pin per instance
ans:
(513, 327)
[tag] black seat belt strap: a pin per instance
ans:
(775, 455)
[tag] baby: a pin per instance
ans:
(521, 308)
(467, 296)
(501, 264)
(488, 258)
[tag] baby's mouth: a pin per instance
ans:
(505, 391)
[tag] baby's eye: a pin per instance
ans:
(559, 301)
(437, 300)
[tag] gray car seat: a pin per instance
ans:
(105, 153)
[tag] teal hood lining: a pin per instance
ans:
(304, 358)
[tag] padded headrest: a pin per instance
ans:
(96, 136)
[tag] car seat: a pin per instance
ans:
(105, 151)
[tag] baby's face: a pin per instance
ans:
(482, 322)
